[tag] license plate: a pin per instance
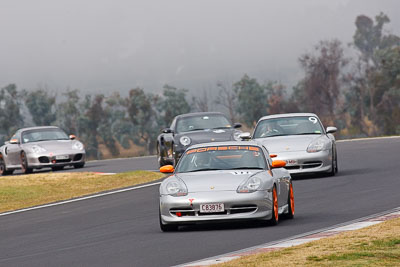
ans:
(62, 157)
(291, 162)
(211, 208)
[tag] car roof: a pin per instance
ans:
(38, 128)
(285, 115)
(195, 114)
(228, 143)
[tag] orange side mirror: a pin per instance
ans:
(14, 141)
(278, 163)
(273, 156)
(167, 169)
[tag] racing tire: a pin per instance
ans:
(57, 168)
(290, 203)
(160, 158)
(275, 208)
(167, 227)
(79, 165)
(3, 168)
(334, 168)
(24, 164)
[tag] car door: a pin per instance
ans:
(280, 175)
(13, 151)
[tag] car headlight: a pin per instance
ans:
(236, 136)
(176, 189)
(77, 146)
(250, 185)
(37, 149)
(185, 141)
(317, 145)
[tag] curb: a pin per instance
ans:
(300, 239)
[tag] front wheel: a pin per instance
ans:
(290, 203)
(275, 213)
(334, 168)
(24, 164)
(3, 168)
(160, 158)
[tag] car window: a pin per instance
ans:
(194, 123)
(43, 135)
(222, 158)
(288, 126)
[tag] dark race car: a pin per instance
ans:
(193, 128)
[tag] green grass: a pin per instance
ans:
(22, 191)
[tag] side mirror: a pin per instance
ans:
(273, 155)
(167, 169)
(14, 141)
(167, 130)
(237, 125)
(245, 136)
(72, 137)
(278, 163)
(331, 129)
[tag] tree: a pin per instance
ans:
(41, 106)
(68, 112)
(369, 40)
(252, 100)
(227, 98)
(174, 103)
(144, 118)
(89, 123)
(322, 83)
(10, 111)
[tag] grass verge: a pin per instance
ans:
(377, 245)
(22, 191)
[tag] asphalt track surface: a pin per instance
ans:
(122, 229)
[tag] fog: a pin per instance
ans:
(102, 46)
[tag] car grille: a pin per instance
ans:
(63, 160)
(182, 212)
(305, 165)
(44, 160)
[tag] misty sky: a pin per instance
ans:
(104, 45)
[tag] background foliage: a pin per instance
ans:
(359, 95)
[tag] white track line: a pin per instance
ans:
(300, 239)
(367, 138)
(79, 199)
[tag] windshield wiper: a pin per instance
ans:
(222, 127)
(197, 129)
(306, 133)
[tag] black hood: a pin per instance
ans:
(207, 136)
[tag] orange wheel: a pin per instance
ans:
(290, 214)
(275, 213)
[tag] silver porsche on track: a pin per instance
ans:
(225, 181)
(41, 147)
(300, 140)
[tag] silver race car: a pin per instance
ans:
(225, 181)
(300, 140)
(40, 147)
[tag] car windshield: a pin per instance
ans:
(221, 158)
(38, 135)
(288, 126)
(194, 123)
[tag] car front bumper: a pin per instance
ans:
(298, 162)
(237, 206)
(64, 158)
